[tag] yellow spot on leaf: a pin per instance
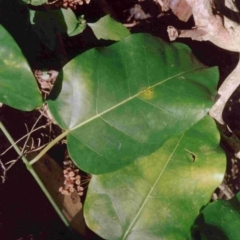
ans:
(147, 94)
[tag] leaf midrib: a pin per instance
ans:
(152, 188)
(130, 98)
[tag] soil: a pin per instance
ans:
(25, 213)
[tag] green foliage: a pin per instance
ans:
(134, 115)
(18, 87)
(158, 196)
(219, 220)
(35, 2)
(70, 20)
(107, 28)
(124, 101)
(127, 100)
(48, 23)
(80, 26)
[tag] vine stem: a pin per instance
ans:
(50, 145)
(34, 174)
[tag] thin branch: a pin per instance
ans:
(20, 139)
(4, 171)
(26, 141)
(222, 32)
(229, 85)
(36, 177)
(12, 162)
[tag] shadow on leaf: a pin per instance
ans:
(202, 230)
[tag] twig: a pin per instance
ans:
(129, 25)
(38, 180)
(49, 146)
(220, 31)
(12, 162)
(20, 139)
(226, 190)
(4, 170)
(37, 149)
(26, 141)
(229, 85)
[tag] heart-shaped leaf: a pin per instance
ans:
(107, 28)
(160, 195)
(219, 220)
(122, 102)
(18, 87)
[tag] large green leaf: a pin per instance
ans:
(124, 101)
(160, 195)
(219, 220)
(18, 87)
(107, 28)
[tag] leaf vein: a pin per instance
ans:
(128, 99)
(106, 121)
(89, 147)
(165, 110)
(150, 192)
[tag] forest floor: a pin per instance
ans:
(25, 213)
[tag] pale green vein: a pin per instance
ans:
(163, 109)
(187, 93)
(129, 99)
(138, 140)
(89, 146)
(145, 119)
(151, 190)
(117, 213)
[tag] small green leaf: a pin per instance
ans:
(219, 220)
(18, 87)
(35, 2)
(32, 14)
(81, 25)
(160, 195)
(107, 28)
(70, 20)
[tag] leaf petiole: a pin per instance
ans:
(49, 146)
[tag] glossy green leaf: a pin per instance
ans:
(219, 220)
(107, 28)
(35, 2)
(160, 195)
(18, 87)
(124, 101)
